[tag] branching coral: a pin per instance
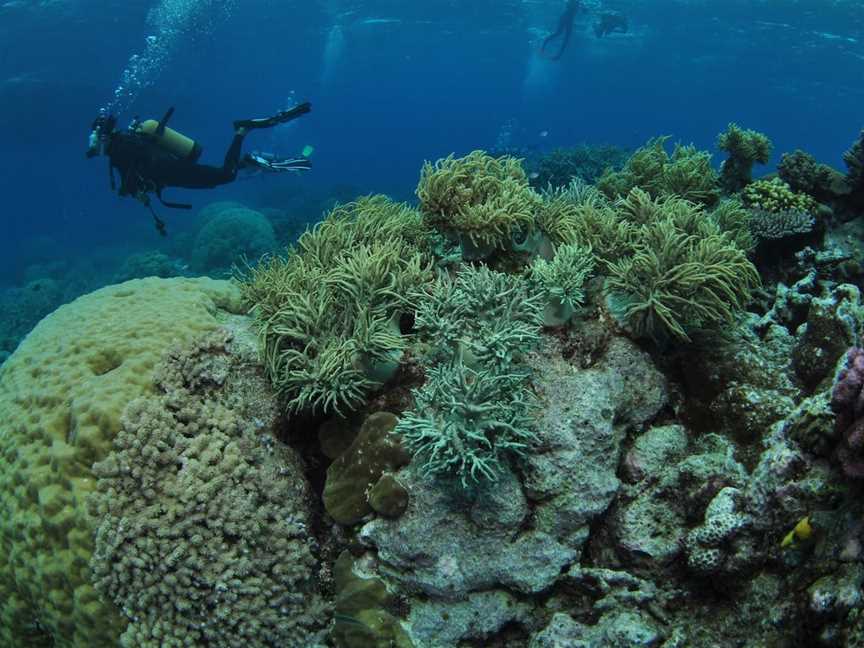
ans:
(202, 539)
(466, 422)
(560, 281)
(328, 313)
(474, 408)
(686, 173)
(847, 403)
(484, 317)
(776, 196)
(479, 200)
(676, 282)
(745, 148)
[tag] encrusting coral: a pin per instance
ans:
(202, 524)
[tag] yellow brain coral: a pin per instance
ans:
(61, 397)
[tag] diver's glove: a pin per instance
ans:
(269, 162)
(279, 118)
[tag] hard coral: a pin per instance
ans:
(202, 537)
(776, 196)
(847, 403)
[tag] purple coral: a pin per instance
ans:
(847, 402)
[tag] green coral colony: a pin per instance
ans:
(141, 505)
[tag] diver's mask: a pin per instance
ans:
(100, 133)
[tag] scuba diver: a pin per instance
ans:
(149, 156)
(610, 22)
(564, 31)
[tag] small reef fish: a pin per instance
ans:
(802, 533)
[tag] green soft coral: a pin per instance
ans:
(561, 280)
(677, 282)
(465, 422)
(328, 312)
(479, 200)
(745, 148)
(686, 173)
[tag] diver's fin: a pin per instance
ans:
(279, 118)
(267, 162)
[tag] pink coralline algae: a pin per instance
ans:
(847, 402)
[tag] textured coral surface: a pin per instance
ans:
(62, 394)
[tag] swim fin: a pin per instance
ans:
(268, 162)
(281, 117)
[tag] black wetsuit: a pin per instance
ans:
(143, 166)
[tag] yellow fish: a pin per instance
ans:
(802, 532)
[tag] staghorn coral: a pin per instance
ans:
(479, 200)
(328, 312)
(745, 148)
(847, 403)
(201, 537)
(686, 173)
(775, 196)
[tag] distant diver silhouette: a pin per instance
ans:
(564, 31)
(610, 22)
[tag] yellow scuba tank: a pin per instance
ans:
(170, 140)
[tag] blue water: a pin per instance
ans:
(393, 83)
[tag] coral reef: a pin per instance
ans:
(745, 148)
(847, 402)
(229, 235)
(686, 173)
(775, 196)
(768, 225)
(477, 200)
(676, 281)
(329, 311)
(202, 515)
(560, 166)
(62, 394)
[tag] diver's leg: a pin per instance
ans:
(279, 118)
